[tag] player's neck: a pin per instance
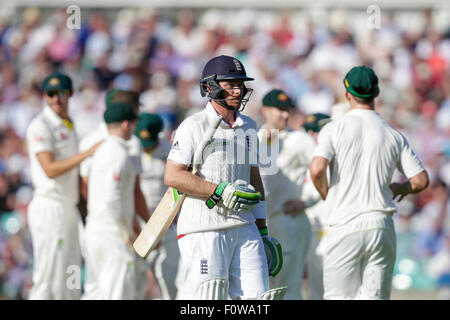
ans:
(229, 116)
(117, 132)
(356, 106)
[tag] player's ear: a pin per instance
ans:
(348, 95)
(264, 112)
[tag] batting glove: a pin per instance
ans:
(238, 196)
(273, 251)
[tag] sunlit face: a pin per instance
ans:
(232, 92)
(58, 100)
(276, 118)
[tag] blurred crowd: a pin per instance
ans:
(161, 55)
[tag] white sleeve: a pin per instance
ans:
(183, 147)
(85, 165)
(135, 149)
(408, 163)
(39, 138)
(324, 146)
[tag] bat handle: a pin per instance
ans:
(209, 134)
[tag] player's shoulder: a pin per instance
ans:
(299, 138)
(249, 122)
(91, 138)
(113, 148)
(38, 125)
(297, 134)
(38, 120)
(134, 145)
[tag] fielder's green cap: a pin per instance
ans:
(57, 81)
(278, 99)
(118, 112)
(117, 95)
(315, 121)
(148, 129)
(362, 82)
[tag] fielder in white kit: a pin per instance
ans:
(363, 151)
(222, 251)
(283, 189)
(134, 148)
(312, 124)
(110, 257)
(53, 215)
(163, 261)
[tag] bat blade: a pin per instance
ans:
(170, 204)
(159, 223)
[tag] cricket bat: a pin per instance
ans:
(170, 204)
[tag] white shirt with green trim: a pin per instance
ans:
(134, 148)
(47, 132)
(152, 176)
(111, 186)
(292, 157)
(227, 158)
(363, 150)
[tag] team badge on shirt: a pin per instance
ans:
(116, 176)
(38, 138)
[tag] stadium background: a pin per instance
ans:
(304, 47)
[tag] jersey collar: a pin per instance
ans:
(119, 140)
(52, 116)
(240, 121)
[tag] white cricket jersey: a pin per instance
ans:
(363, 150)
(227, 158)
(48, 133)
(134, 148)
(111, 185)
(152, 176)
(294, 154)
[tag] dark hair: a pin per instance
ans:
(127, 96)
(367, 101)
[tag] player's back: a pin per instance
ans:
(111, 183)
(367, 151)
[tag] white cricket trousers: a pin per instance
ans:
(359, 258)
(110, 264)
(56, 250)
(294, 235)
(235, 254)
(164, 263)
(314, 263)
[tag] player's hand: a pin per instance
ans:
(238, 196)
(293, 207)
(399, 189)
(273, 251)
(91, 151)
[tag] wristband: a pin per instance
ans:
(216, 196)
(263, 231)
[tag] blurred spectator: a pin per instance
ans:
(159, 53)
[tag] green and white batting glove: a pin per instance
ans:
(238, 196)
(273, 251)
